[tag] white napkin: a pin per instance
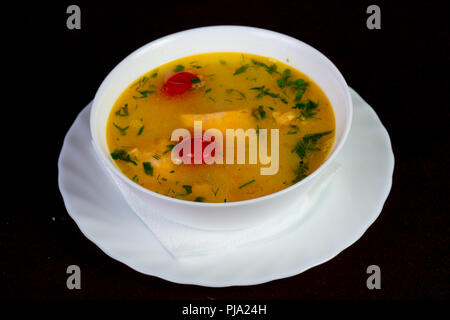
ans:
(182, 241)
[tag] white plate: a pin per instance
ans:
(348, 206)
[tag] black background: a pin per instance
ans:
(400, 70)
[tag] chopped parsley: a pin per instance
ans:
(195, 80)
(123, 131)
(270, 69)
(282, 83)
(144, 94)
(140, 130)
(178, 68)
(120, 154)
(123, 111)
(199, 199)
(241, 94)
(246, 184)
(299, 85)
(259, 113)
(222, 62)
(195, 65)
(308, 109)
(294, 129)
(169, 148)
(241, 69)
(188, 188)
(148, 169)
(301, 171)
(308, 143)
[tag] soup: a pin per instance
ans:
(268, 99)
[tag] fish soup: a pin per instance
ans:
(269, 100)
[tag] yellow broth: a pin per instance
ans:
(232, 90)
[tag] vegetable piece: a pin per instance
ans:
(270, 69)
(119, 154)
(188, 189)
(179, 83)
(308, 143)
(191, 141)
(123, 111)
(240, 70)
(148, 169)
(123, 131)
(307, 109)
(246, 184)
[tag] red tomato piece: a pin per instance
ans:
(191, 141)
(179, 83)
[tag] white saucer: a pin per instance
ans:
(348, 206)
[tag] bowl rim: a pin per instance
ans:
(137, 52)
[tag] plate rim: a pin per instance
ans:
(376, 211)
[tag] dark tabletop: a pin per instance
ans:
(401, 70)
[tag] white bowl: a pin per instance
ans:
(219, 216)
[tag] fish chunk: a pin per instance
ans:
(221, 120)
(284, 118)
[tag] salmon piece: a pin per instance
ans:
(221, 120)
(284, 118)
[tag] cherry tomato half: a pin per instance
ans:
(179, 83)
(191, 141)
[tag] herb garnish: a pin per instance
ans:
(284, 78)
(308, 143)
(123, 111)
(222, 62)
(119, 154)
(308, 109)
(230, 91)
(264, 92)
(178, 68)
(259, 112)
(194, 64)
(144, 94)
(140, 130)
(246, 184)
(195, 80)
(294, 129)
(299, 85)
(240, 70)
(301, 171)
(169, 148)
(199, 199)
(148, 169)
(270, 69)
(188, 188)
(123, 131)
